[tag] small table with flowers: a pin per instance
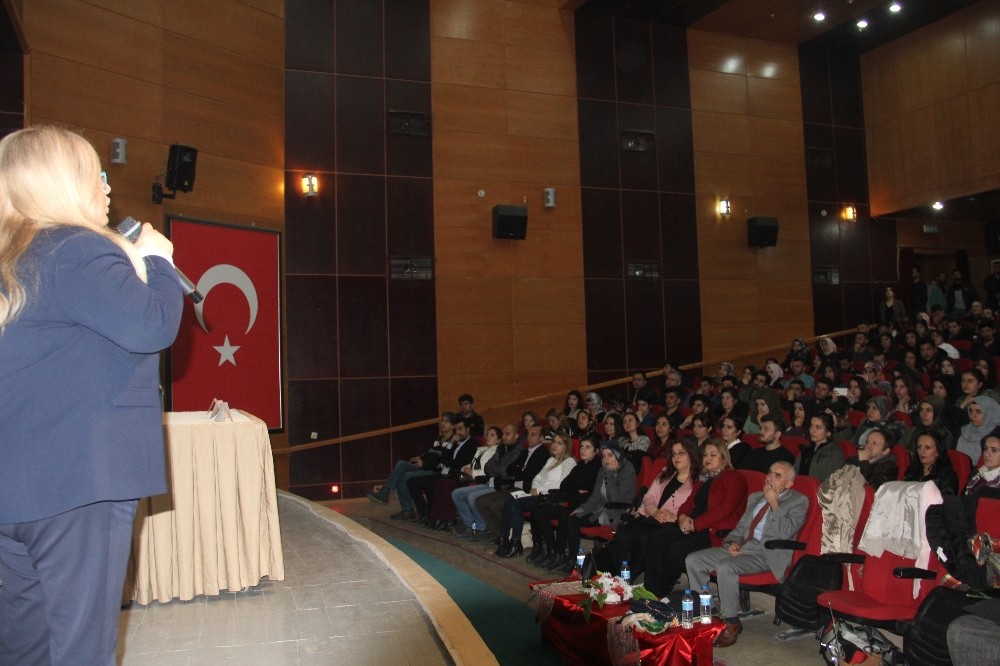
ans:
(603, 641)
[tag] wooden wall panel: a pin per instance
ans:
(466, 108)
(543, 116)
(748, 146)
(467, 62)
(471, 20)
(504, 106)
(927, 124)
(66, 29)
(252, 33)
(541, 70)
(78, 95)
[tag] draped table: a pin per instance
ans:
(217, 526)
(587, 643)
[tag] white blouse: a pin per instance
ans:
(552, 475)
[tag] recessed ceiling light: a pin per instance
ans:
(895, 7)
(862, 24)
(819, 16)
(937, 205)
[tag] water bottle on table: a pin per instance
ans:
(626, 574)
(687, 610)
(580, 557)
(705, 605)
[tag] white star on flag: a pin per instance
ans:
(227, 352)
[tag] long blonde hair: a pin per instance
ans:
(48, 178)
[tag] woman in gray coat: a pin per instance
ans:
(613, 496)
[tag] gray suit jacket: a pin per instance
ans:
(784, 523)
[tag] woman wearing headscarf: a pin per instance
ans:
(610, 500)
(763, 402)
(984, 417)
(584, 424)
(879, 415)
(799, 350)
(929, 417)
(828, 351)
(952, 416)
(775, 375)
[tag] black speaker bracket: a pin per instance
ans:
(159, 196)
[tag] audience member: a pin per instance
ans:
(456, 455)
(492, 472)
(520, 474)
(473, 422)
(875, 459)
(716, 504)
(557, 468)
(821, 456)
(573, 404)
(931, 463)
(984, 417)
(986, 480)
(608, 502)
(761, 459)
(634, 442)
(777, 512)
(659, 506)
(548, 551)
(732, 431)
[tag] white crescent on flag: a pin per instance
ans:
(226, 274)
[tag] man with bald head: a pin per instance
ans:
(778, 512)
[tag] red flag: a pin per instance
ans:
(229, 345)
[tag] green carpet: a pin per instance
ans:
(506, 625)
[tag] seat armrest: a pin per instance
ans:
(914, 572)
(784, 544)
(845, 558)
(722, 534)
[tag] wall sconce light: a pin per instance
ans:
(724, 208)
(310, 185)
(850, 213)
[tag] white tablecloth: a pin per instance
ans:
(217, 527)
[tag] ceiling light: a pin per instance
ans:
(937, 205)
(819, 16)
(895, 7)
(862, 24)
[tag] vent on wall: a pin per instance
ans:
(642, 270)
(411, 123)
(411, 268)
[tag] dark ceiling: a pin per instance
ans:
(792, 22)
(788, 21)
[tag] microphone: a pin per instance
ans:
(130, 228)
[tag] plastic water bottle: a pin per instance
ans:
(705, 605)
(580, 557)
(626, 574)
(687, 610)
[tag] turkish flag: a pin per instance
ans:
(229, 345)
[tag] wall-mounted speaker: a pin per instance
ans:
(762, 231)
(180, 168)
(510, 222)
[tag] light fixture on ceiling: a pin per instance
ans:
(937, 205)
(310, 185)
(819, 16)
(724, 208)
(862, 24)
(895, 7)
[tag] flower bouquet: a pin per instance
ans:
(607, 589)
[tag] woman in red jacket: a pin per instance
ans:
(717, 504)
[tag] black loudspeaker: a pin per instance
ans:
(762, 231)
(510, 222)
(992, 230)
(180, 168)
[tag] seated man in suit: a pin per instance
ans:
(778, 512)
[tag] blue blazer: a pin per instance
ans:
(80, 411)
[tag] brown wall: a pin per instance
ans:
(933, 111)
(510, 313)
(748, 144)
(203, 74)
